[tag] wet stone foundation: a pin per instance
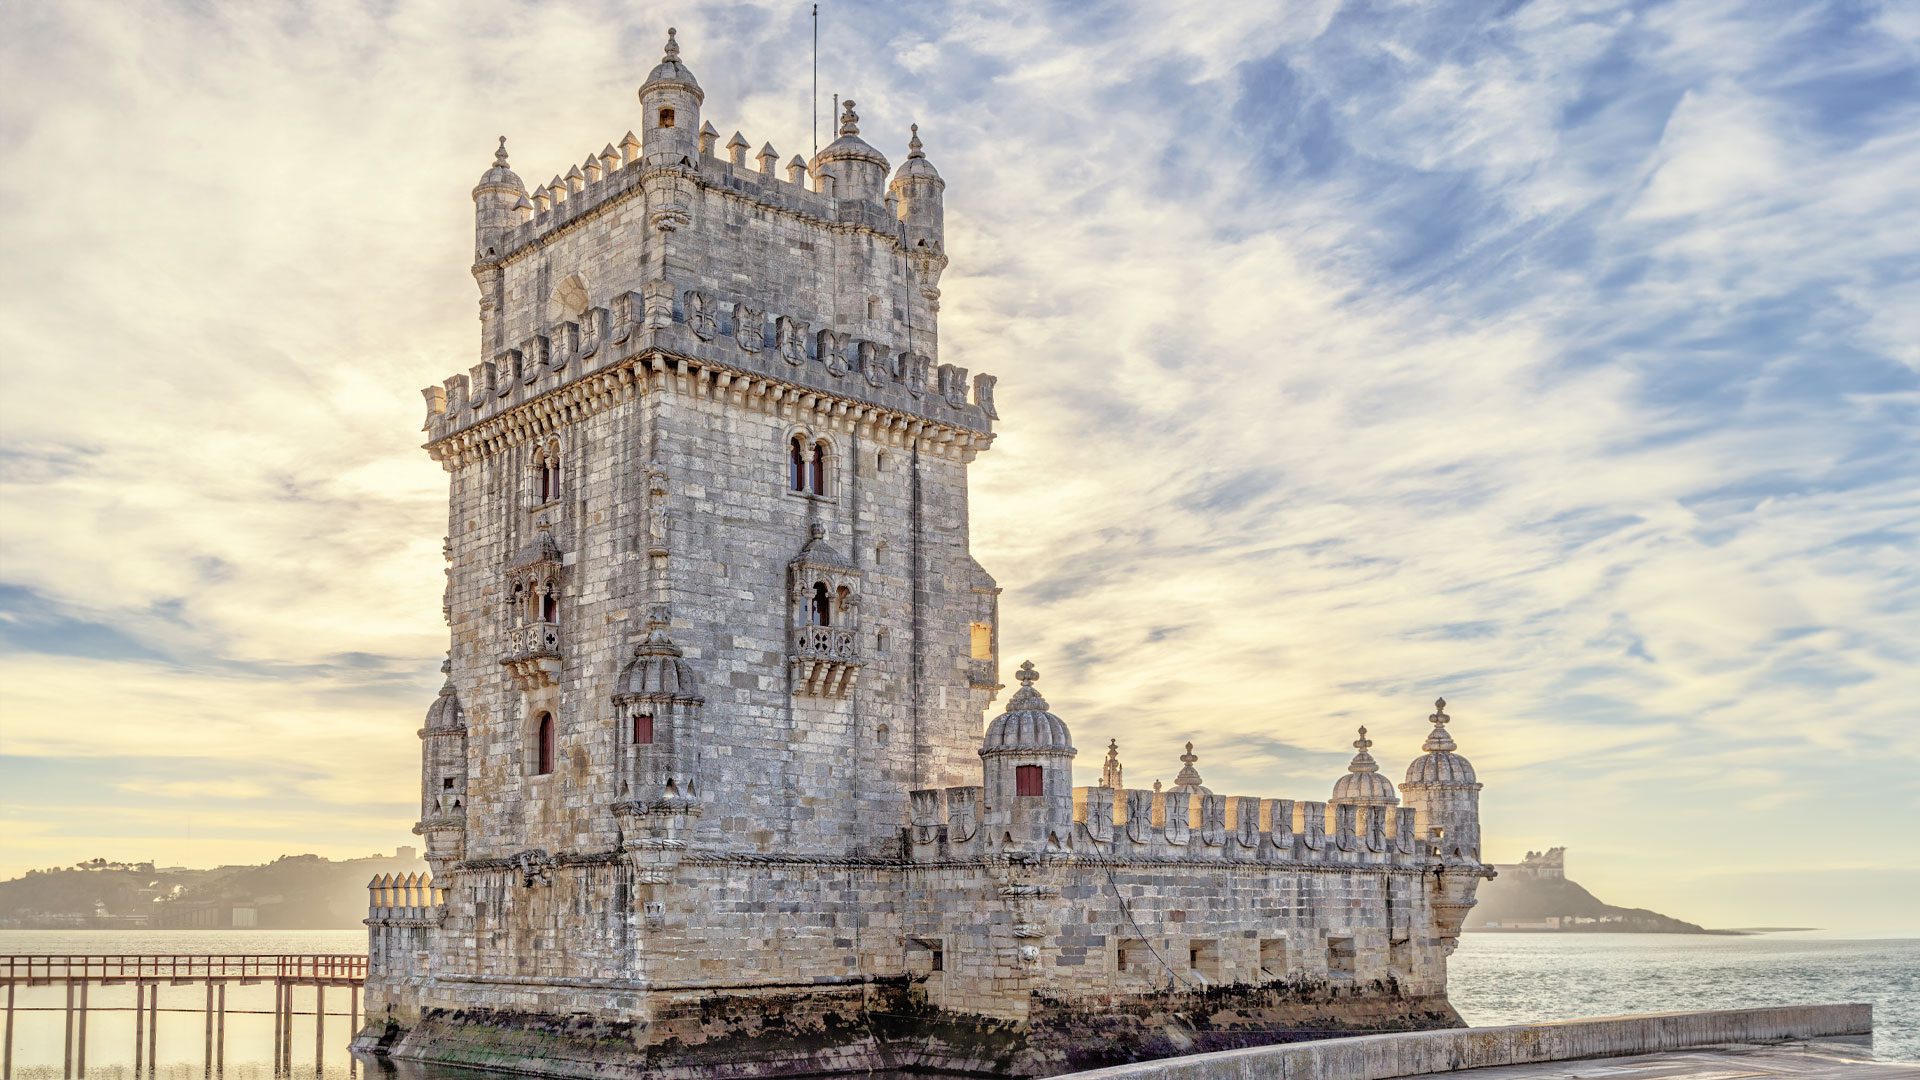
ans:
(889, 1027)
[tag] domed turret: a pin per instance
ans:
(670, 103)
(1441, 785)
(443, 779)
(1440, 764)
(494, 199)
(919, 201)
(1363, 785)
(1028, 755)
(859, 171)
(659, 669)
(1027, 725)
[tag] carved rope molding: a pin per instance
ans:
(593, 394)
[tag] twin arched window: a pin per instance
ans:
(807, 466)
(545, 752)
(546, 476)
(820, 608)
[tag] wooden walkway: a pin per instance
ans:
(212, 973)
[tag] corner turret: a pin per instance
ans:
(443, 780)
(858, 170)
(656, 706)
(494, 199)
(1028, 757)
(1442, 788)
(670, 102)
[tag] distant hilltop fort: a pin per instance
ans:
(707, 792)
(1550, 864)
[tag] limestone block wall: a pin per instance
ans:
(1084, 930)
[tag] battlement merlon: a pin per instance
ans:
(946, 824)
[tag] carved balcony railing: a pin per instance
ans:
(532, 653)
(825, 660)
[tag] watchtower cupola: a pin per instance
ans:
(496, 201)
(1028, 756)
(858, 170)
(670, 105)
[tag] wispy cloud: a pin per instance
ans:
(1559, 359)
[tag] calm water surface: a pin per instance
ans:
(1496, 979)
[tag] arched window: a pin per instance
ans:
(549, 481)
(820, 612)
(549, 604)
(797, 464)
(642, 729)
(1027, 780)
(545, 764)
(817, 476)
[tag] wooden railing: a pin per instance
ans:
(307, 967)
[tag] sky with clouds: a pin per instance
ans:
(1561, 358)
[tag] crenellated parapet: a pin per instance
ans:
(1143, 825)
(719, 334)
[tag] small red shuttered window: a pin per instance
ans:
(1026, 780)
(642, 729)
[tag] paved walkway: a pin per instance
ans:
(1802, 1061)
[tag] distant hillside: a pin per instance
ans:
(294, 892)
(1535, 895)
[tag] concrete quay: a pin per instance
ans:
(1790, 1041)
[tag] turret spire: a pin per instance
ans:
(1110, 774)
(500, 155)
(1189, 776)
(1439, 739)
(914, 149)
(849, 120)
(672, 55)
(1363, 762)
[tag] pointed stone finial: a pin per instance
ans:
(737, 149)
(500, 155)
(817, 531)
(672, 55)
(849, 120)
(1363, 762)
(1438, 738)
(658, 616)
(1027, 674)
(796, 169)
(1156, 785)
(913, 145)
(1110, 773)
(708, 136)
(1189, 776)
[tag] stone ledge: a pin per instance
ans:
(1380, 1057)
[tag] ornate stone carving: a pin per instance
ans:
(983, 385)
(873, 362)
(790, 337)
(700, 320)
(535, 866)
(830, 349)
(749, 326)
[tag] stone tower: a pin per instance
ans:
(707, 783)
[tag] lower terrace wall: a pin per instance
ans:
(749, 966)
(1380, 1057)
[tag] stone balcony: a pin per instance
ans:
(825, 660)
(532, 653)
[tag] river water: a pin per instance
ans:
(1495, 979)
